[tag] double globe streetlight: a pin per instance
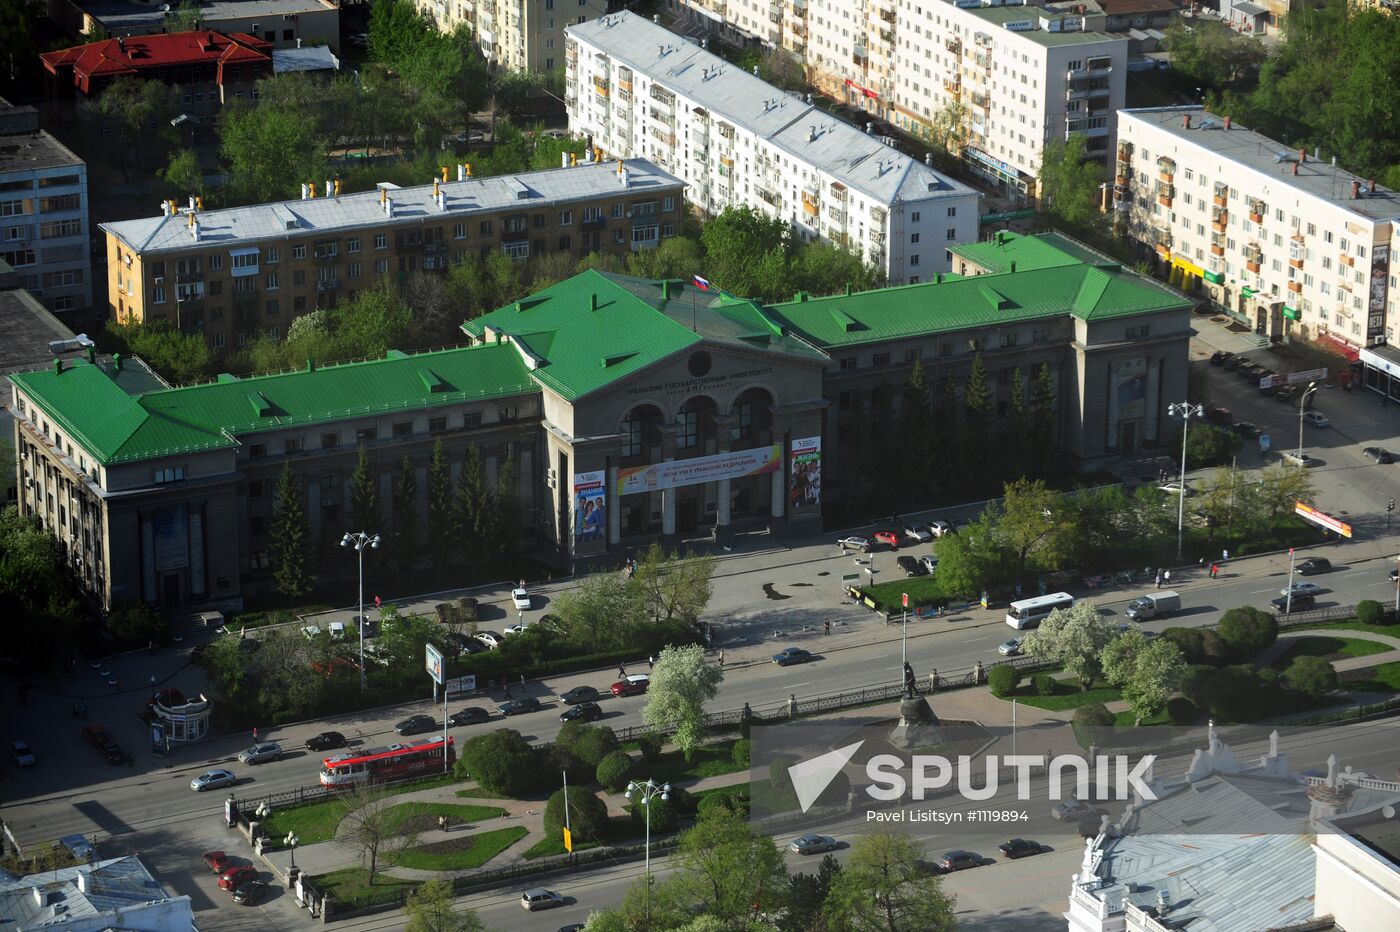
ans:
(1185, 410)
(361, 540)
(646, 792)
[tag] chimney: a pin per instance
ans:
(337, 187)
(1370, 187)
(310, 364)
(1227, 123)
(383, 193)
(619, 166)
(461, 172)
(1355, 190)
(304, 189)
(437, 189)
(191, 202)
(388, 206)
(811, 133)
(327, 188)
(442, 200)
(92, 354)
(1186, 121)
(117, 361)
(656, 19)
(928, 159)
(468, 167)
(666, 290)
(194, 228)
(298, 41)
(755, 71)
(573, 159)
(1013, 267)
(1302, 154)
(57, 365)
(624, 176)
(444, 174)
(165, 208)
(198, 202)
(593, 301)
(312, 186)
(809, 98)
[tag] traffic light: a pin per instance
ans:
(1391, 506)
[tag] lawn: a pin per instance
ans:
(923, 590)
(421, 816)
(1384, 679)
(1067, 695)
(552, 845)
(461, 853)
(1331, 648)
(1354, 625)
(1126, 719)
(477, 792)
(620, 829)
(710, 760)
(348, 887)
(315, 822)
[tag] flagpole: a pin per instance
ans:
(693, 289)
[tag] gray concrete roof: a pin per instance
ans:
(33, 151)
(732, 94)
(116, 14)
(307, 58)
(413, 206)
(1257, 151)
(998, 16)
(115, 884)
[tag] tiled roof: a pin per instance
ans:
(86, 403)
(133, 54)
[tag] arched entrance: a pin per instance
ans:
(642, 445)
(751, 426)
(697, 434)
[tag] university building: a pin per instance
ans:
(633, 408)
(636, 89)
(236, 273)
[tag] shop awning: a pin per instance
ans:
(1292, 313)
(1248, 292)
(1335, 344)
(1215, 278)
(1185, 266)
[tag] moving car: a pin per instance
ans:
(1246, 429)
(917, 533)
(213, 780)
(790, 655)
(1314, 565)
(1021, 848)
(1175, 488)
(941, 528)
(471, 715)
(416, 724)
(856, 542)
(813, 844)
(1301, 588)
(583, 712)
(489, 638)
(519, 706)
(217, 861)
(888, 538)
(521, 598)
(1379, 455)
(23, 756)
(1071, 810)
(96, 736)
(1294, 458)
(1316, 419)
(1300, 603)
(235, 877)
(250, 893)
(540, 898)
(911, 566)
(959, 860)
(259, 753)
(1153, 605)
(1011, 648)
(579, 694)
(325, 741)
(633, 684)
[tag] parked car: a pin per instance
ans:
(856, 542)
(235, 877)
(519, 706)
(96, 736)
(579, 694)
(929, 562)
(217, 861)
(1231, 362)
(1247, 429)
(250, 893)
(516, 629)
(1379, 455)
(888, 538)
(23, 756)
(633, 684)
(1072, 810)
(1302, 588)
(959, 860)
(1314, 565)
(1316, 419)
(583, 712)
(941, 528)
(813, 844)
(113, 753)
(911, 566)
(1294, 458)
(489, 638)
(415, 724)
(1300, 603)
(919, 534)
(471, 715)
(1220, 415)
(466, 643)
(1394, 574)
(260, 753)
(1021, 848)
(1011, 648)
(1175, 488)
(540, 898)
(1219, 356)
(213, 780)
(521, 599)
(791, 655)
(325, 741)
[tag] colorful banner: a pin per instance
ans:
(806, 485)
(676, 473)
(1380, 276)
(590, 505)
(1132, 388)
(1321, 519)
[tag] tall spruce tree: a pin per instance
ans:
(506, 519)
(978, 409)
(364, 496)
(1043, 416)
(290, 536)
(474, 511)
(442, 522)
(406, 515)
(917, 435)
(1017, 424)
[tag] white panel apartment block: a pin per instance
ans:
(638, 90)
(1292, 243)
(517, 35)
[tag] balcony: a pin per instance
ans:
(245, 299)
(981, 99)
(1222, 196)
(799, 7)
(953, 85)
(188, 278)
(953, 45)
(329, 284)
(887, 36)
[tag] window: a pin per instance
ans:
(274, 307)
(471, 419)
(914, 259)
(158, 295)
(381, 266)
(381, 241)
(273, 255)
(299, 304)
(459, 231)
(437, 424)
(329, 441)
(631, 437)
(914, 217)
(687, 429)
(1137, 333)
(1008, 339)
(288, 35)
(257, 489)
(299, 276)
(913, 239)
(271, 282)
(616, 211)
(566, 218)
(60, 228)
(847, 362)
(299, 252)
(247, 260)
(291, 445)
(520, 250)
(668, 204)
(403, 429)
(353, 270)
(952, 211)
(168, 474)
(257, 451)
(216, 262)
(880, 360)
(912, 355)
(216, 288)
(485, 228)
(352, 244)
(566, 242)
(366, 435)
(15, 208)
(1040, 336)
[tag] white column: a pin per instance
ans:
(779, 488)
(722, 502)
(614, 508)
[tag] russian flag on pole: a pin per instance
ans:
(702, 283)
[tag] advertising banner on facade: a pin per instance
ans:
(677, 473)
(806, 485)
(1132, 388)
(1380, 274)
(590, 505)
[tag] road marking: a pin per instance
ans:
(1260, 591)
(795, 685)
(976, 640)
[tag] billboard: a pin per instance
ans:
(590, 505)
(1322, 519)
(805, 487)
(676, 473)
(1380, 275)
(434, 663)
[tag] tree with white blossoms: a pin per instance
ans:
(681, 683)
(1148, 672)
(1073, 637)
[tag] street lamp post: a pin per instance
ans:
(1187, 410)
(647, 792)
(291, 842)
(360, 540)
(1302, 406)
(1288, 599)
(1397, 588)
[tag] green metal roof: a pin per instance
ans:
(116, 427)
(1047, 251)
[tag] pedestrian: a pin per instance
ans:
(1159, 579)
(621, 671)
(522, 682)
(1167, 577)
(1214, 570)
(826, 627)
(721, 656)
(130, 760)
(442, 823)
(651, 661)
(1224, 556)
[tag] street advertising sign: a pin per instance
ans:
(434, 663)
(461, 684)
(1264, 442)
(905, 599)
(158, 738)
(1321, 519)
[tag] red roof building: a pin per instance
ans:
(205, 63)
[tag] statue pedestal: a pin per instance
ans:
(918, 726)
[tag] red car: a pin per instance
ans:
(634, 684)
(217, 861)
(235, 877)
(889, 538)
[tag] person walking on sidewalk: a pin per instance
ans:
(826, 627)
(1159, 579)
(721, 657)
(1167, 577)
(1214, 570)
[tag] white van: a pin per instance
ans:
(338, 630)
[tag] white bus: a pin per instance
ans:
(1029, 613)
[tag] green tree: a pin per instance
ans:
(724, 864)
(918, 434)
(682, 681)
(601, 612)
(1209, 446)
(977, 411)
(615, 770)
(736, 241)
(473, 510)
(141, 111)
(1148, 672)
(270, 152)
(1311, 675)
(184, 18)
(950, 127)
(1212, 54)
(1003, 680)
(182, 175)
(1070, 180)
(364, 495)
(974, 559)
(290, 536)
(180, 357)
(136, 623)
(674, 589)
(406, 515)
(1280, 488)
(1074, 637)
(884, 888)
(442, 527)
(506, 519)
(588, 814)
(17, 48)
(502, 762)
(807, 895)
(1043, 414)
(1247, 630)
(1033, 524)
(1370, 612)
(431, 908)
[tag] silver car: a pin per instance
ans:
(261, 753)
(213, 780)
(540, 898)
(856, 542)
(1011, 648)
(813, 844)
